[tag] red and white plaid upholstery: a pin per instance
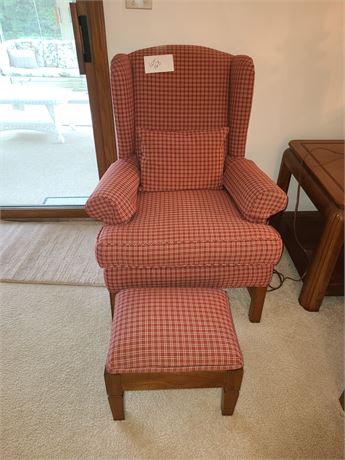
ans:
(114, 200)
(172, 330)
(181, 160)
(208, 89)
(193, 97)
(215, 276)
(123, 104)
(240, 103)
(255, 194)
(187, 228)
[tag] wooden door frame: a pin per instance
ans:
(98, 83)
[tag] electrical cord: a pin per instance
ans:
(282, 278)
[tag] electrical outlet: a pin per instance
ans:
(139, 4)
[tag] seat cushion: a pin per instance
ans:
(172, 330)
(187, 229)
(210, 276)
(181, 160)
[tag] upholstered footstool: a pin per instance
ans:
(173, 338)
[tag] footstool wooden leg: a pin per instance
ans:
(257, 295)
(115, 395)
(231, 391)
(116, 406)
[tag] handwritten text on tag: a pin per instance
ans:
(159, 63)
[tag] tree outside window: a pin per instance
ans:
(29, 19)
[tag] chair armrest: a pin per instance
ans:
(114, 201)
(255, 194)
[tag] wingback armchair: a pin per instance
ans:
(181, 205)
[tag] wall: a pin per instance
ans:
(297, 47)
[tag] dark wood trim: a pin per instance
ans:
(98, 82)
(162, 381)
(77, 37)
(44, 213)
(117, 384)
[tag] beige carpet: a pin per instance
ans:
(54, 406)
(50, 252)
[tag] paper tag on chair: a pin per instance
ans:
(159, 63)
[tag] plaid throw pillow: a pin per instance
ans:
(181, 160)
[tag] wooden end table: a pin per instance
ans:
(318, 166)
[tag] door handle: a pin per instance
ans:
(85, 35)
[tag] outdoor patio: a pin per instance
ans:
(40, 166)
(47, 153)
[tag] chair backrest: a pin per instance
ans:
(208, 89)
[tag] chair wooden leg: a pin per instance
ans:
(257, 295)
(341, 400)
(112, 302)
(115, 395)
(231, 391)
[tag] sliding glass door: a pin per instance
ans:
(47, 146)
